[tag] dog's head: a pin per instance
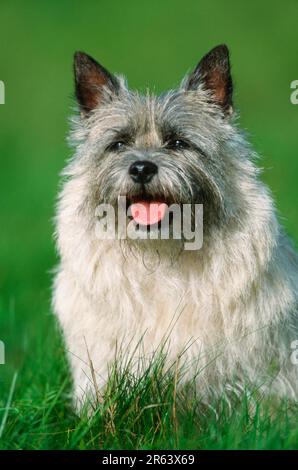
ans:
(173, 149)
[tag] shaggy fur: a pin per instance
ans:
(231, 307)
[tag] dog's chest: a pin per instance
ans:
(140, 302)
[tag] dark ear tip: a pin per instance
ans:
(82, 59)
(79, 59)
(79, 53)
(79, 56)
(223, 48)
(220, 51)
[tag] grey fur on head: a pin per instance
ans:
(236, 297)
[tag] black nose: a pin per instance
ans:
(142, 171)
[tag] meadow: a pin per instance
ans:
(154, 44)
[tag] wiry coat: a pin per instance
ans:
(231, 306)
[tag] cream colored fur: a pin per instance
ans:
(231, 307)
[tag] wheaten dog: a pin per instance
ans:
(231, 305)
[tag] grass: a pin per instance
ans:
(145, 413)
(154, 44)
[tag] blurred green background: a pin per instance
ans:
(154, 43)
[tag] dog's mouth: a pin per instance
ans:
(147, 210)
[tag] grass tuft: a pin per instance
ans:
(148, 411)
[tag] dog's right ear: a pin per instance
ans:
(213, 73)
(92, 82)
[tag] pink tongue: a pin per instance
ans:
(148, 213)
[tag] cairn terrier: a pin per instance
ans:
(227, 311)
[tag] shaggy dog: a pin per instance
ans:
(228, 310)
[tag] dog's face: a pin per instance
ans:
(156, 150)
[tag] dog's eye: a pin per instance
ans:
(177, 144)
(116, 146)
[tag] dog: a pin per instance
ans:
(227, 311)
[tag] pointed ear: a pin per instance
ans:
(214, 74)
(91, 81)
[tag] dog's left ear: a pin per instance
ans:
(213, 73)
(92, 82)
